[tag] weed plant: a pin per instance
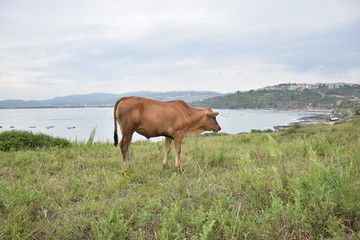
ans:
(302, 183)
(21, 140)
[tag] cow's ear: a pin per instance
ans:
(212, 114)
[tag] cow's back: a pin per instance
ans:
(153, 118)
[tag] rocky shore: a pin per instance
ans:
(314, 119)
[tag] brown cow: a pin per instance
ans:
(172, 119)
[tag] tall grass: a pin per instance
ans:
(90, 141)
(21, 140)
(302, 183)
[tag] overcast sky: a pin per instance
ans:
(57, 48)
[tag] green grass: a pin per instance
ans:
(21, 140)
(302, 183)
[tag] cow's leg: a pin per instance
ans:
(166, 151)
(125, 145)
(177, 152)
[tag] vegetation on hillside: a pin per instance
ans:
(24, 140)
(301, 183)
(322, 98)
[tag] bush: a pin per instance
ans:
(23, 140)
(261, 131)
(256, 131)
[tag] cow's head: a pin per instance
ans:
(210, 121)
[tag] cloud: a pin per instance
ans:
(58, 48)
(184, 75)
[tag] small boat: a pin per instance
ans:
(71, 127)
(12, 126)
(32, 126)
(48, 127)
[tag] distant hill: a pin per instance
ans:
(288, 96)
(105, 99)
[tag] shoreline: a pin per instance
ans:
(313, 119)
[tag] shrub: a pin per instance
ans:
(23, 140)
(256, 131)
(261, 131)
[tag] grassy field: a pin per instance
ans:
(302, 183)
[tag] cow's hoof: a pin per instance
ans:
(179, 169)
(128, 164)
(165, 166)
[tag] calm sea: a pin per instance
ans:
(77, 123)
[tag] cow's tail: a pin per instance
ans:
(116, 137)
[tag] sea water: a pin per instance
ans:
(76, 124)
